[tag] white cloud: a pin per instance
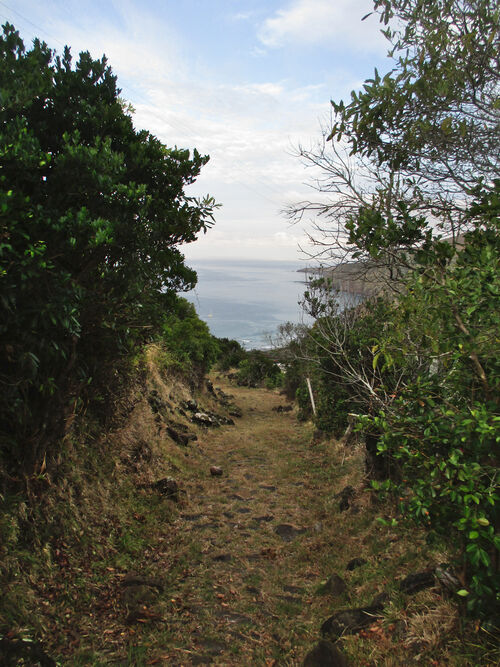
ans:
(243, 16)
(280, 245)
(246, 129)
(137, 46)
(335, 22)
(272, 89)
(247, 126)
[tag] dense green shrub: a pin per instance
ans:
(92, 213)
(415, 201)
(443, 429)
(189, 340)
(337, 355)
(423, 371)
(231, 353)
(257, 369)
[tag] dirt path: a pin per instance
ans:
(246, 546)
(231, 572)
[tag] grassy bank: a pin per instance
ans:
(111, 568)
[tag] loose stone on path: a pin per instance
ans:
(288, 532)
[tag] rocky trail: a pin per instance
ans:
(245, 546)
(260, 547)
(234, 578)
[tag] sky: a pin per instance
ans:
(244, 81)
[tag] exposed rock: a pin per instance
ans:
(167, 487)
(222, 558)
(204, 419)
(210, 419)
(226, 401)
(215, 471)
(287, 532)
(283, 408)
(345, 496)
(268, 487)
(222, 397)
(447, 579)
(225, 420)
(22, 652)
(290, 588)
(380, 600)
(335, 585)
(416, 582)
(138, 596)
(182, 428)
(355, 562)
(264, 517)
(350, 621)
(134, 579)
(179, 438)
(325, 654)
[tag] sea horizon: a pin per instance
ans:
(247, 300)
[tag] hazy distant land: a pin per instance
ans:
(363, 279)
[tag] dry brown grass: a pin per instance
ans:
(234, 592)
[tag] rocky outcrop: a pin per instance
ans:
(350, 621)
(325, 654)
(334, 586)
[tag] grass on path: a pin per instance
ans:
(232, 574)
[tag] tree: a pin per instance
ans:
(414, 171)
(436, 113)
(443, 427)
(410, 148)
(189, 340)
(92, 216)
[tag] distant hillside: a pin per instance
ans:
(366, 278)
(363, 279)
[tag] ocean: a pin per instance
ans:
(248, 300)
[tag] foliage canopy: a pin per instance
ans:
(93, 213)
(414, 173)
